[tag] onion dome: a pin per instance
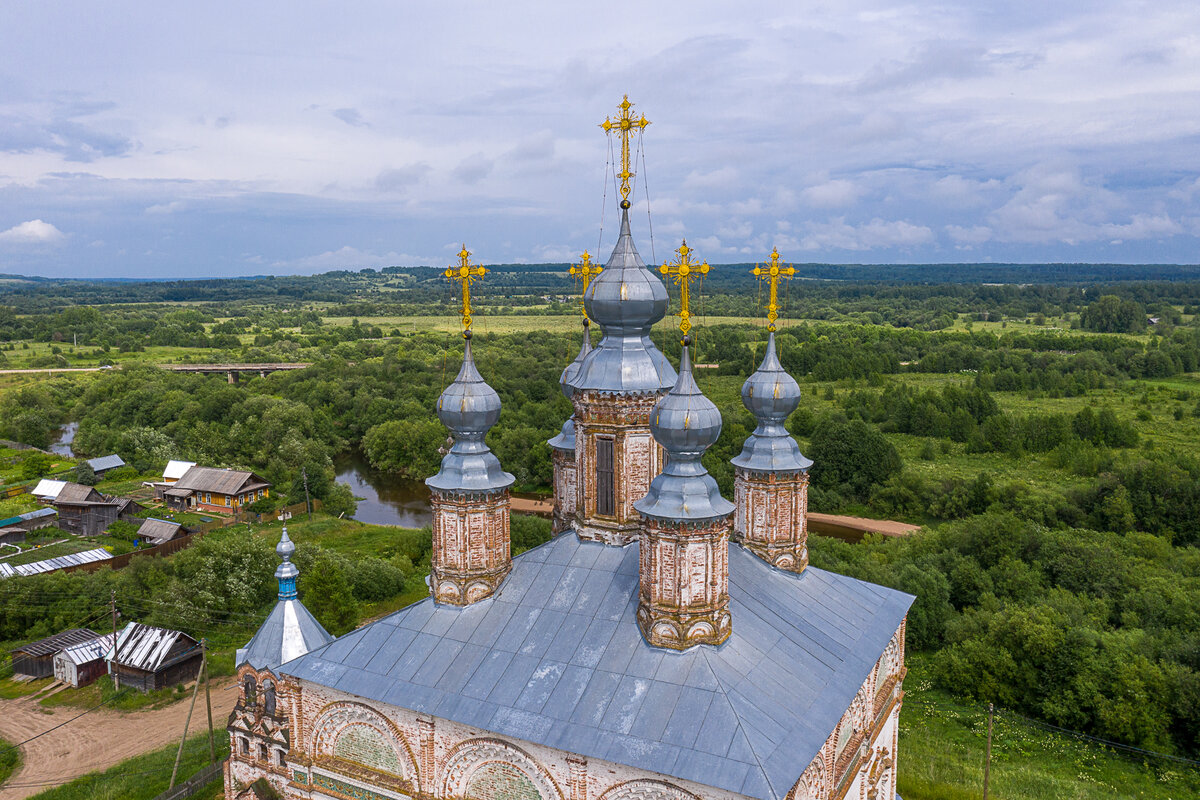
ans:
(770, 394)
(566, 438)
(626, 299)
(686, 424)
(469, 408)
(290, 630)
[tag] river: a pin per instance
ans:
(66, 436)
(386, 499)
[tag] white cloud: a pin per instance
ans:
(976, 234)
(832, 194)
(837, 234)
(35, 231)
(347, 257)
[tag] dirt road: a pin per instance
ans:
(97, 740)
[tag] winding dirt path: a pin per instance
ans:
(97, 740)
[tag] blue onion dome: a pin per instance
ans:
(626, 299)
(469, 408)
(686, 424)
(771, 395)
(565, 440)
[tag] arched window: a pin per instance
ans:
(269, 698)
(250, 690)
(264, 753)
(245, 745)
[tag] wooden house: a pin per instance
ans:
(36, 659)
(84, 511)
(80, 664)
(149, 658)
(175, 470)
(211, 489)
(159, 531)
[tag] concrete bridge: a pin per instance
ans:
(233, 371)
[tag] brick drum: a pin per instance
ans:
(565, 489)
(471, 545)
(683, 588)
(771, 516)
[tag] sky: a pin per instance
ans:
(174, 140)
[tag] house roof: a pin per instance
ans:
(290, 631)
(178, 493)
(159, 530)
(86, 652)
(219, 481)
(37, 514)
(146, 647)
(57, 642)
(48, 488)
(78, 493)
(51, 564)
(175, 469)
(106, 462)
(555, 658)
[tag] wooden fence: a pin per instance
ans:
(193, 784)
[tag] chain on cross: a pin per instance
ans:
(772, 273)
(684, 270)
(464, 273)
(586, 270)
(624, 125)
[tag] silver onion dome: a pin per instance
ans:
(626, 299)
(469, 408)
(686, 424)
(285, 549)
(770, 394)
(565, 440)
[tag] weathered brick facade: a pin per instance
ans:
(772, 516)
(326, 744)
(637, 458)
(471, 545)
(683, 583)
(565, 490)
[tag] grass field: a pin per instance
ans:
(63, 548)
(10, 759)
(146, 776)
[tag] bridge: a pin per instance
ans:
(233, 371)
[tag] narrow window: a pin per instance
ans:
(606, 496)
(279, 758)
(264, 753)
(269, 699)
(245, 745)
(251, 687)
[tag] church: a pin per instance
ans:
(666, 644)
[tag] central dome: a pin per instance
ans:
(626, 300)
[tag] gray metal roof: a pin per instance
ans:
(106, 462)
(56, 563)
(469, 408)
(86, 652)
(555, 658)
(57, 642)
(685, 423)
(770, 394)
(147, 647)
(37, 514)
(626, 300)
(565, 440)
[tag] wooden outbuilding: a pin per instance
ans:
(80, 664)
(156, 531)
(84, 511)
(36, 659)
(149, 658)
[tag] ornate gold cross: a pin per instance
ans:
(624, 125)
(684, 270)
(587, 270)
(772, 273)
(464, 273)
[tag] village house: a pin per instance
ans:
(148, 658)
(84, 511)
(80, 664)
(175, 470)
(36, 659)
(159, 531)
(211, 489)
(103, 464)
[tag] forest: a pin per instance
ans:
(1043, 431)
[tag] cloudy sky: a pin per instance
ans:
(187, 140)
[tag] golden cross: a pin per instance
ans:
(587, 270)
(464, 273)
(624, 125)
(684, 270)
(772, 274)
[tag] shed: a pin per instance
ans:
(36, 659)
(47, 490)
(157, 531)
(149, 658)
(80, 664)
(9, 535)
(176, 469)
(105, 463)
(179, 499)
(84, 511)
(54, 564)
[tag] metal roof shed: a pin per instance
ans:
(105, 463)
(36, 659)
(149, 658)
(80, 664)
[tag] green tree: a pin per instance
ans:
(406, 447)
(852, 453)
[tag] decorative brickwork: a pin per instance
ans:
(637, 458)
(565, 490)
(647, 790)
(471, 546)
(771, 517)
(683, 594)
(492, 769)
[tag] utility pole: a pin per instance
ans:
(187, 722)
(987, 764)
(112, 665)
(212, 747)
(307, 502)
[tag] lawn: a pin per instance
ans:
(63, 548)
(10, 759)
(146, 776)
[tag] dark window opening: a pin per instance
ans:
(245, 745)
(264, 753)
(251, 687)
(279, 756)
(269, 699)
(606, 494)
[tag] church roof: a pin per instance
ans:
(556, 658)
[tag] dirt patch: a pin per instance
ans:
(97, 740)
